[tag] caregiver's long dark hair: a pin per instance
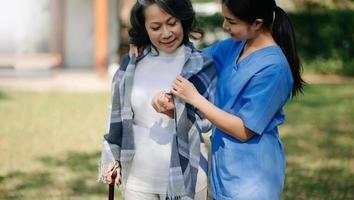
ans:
(281, 27)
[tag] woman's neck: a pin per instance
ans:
(179, 50)
(262, 40)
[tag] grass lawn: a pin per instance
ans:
(50, 144)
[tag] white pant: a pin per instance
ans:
(135, 195)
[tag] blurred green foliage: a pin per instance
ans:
(323, 4)
(325, 38)
(306, 4)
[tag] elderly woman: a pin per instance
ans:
(159, 157)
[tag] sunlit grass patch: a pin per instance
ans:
(319, 142)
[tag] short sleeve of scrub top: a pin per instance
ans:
(267, 91)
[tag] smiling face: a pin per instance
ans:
(238, 29)
(165, 31)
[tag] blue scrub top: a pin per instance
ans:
(255, 90)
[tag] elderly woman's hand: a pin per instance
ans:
(110, 169)
(163, 103)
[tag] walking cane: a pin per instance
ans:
(111, 186)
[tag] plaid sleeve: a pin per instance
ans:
(111, 148)
(205, 82)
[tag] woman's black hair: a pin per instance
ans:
(281, 28)
(180, 9)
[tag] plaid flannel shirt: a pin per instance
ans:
(189, 124)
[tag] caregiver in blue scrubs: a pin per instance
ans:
(258, 71)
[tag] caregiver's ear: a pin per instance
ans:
(257, 24)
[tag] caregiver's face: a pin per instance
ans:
(237, 28)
